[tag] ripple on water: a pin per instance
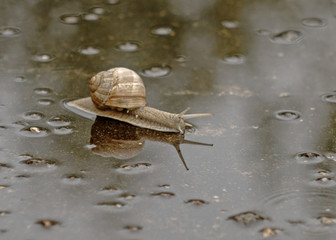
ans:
(33, 116)
(40, 163)
(314, 22)
(64, 130)
(196, 202)
(8, 31)
(59, 121)
(73, 179)
(43, 57)
(70, 18)
(156, 71)
(45, 102)
(164, 194)
(97, 10)
(163, 30)
(34, 131)
(309, 157)
(128, 46)
(42, 91)
(89, 50)
(90, 17)
(287, 37)
(234, 59)
(287, 115)
(329, 97)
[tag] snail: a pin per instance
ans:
(119, 93)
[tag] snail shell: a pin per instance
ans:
(119, 93)
(118, 88)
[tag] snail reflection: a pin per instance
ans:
(113, 138)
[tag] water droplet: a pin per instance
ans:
(127, 196)
(33, 116)
(113, 204)
(47, 223)
(327, 220)
(324, 181)
(234, 59)
(43, 57)
(196, 202)
(314, 22)
(133, 228)
(20, 79)
(73, 178)
(34, 131)
(90, 17)
(110, 190)
(112, 2)
(230, 24)
(4, 213)
(287, 37)
(42, 91)
(323, 173)
(9, 31)
(181, 58)
(97, 10)
(329, 97)
(163, 30)
(45, 102)
(89, 50)
(269, 232)
(64, 130)
(330, 155)
(287, 115)
(70, 18)
(247, 218)
(134, 167)
(156, 71)
(128, 46)
(309, 157)
(164, 194)
(59, 121)
(39, 162)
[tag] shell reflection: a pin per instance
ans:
(121, 140)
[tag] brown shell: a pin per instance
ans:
(118, 88)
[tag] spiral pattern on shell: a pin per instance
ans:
(118, 88)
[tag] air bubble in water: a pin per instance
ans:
(156, 71)
(43, 57)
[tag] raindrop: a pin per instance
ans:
(47, 223)
(128, 46)
(33, 116)
(59, 121)
(4, 213)
(9, 31)
(112, 2)
(133, 228)
(64, 130)
(136, 167)
(164, 194)
(234, 59)
(324, 181)
(329, 97)
(45, 102)
(181, 58)
(90, 17)
(113, 204)
(269, 232)
(89, 50)
(34, 131)
(97, 10)
(287, 115)
(314, 22)
(163, 30)
(156, 71)
(70, 18)
(42, 91)
(20, 79)
(196, 202)
(309, 157)
(287, 37)
(43, 57)
(39, 162)
(73, 179)
(246, 218)
(110, 190)
(327, 220)
(230, 24)
(127, 196)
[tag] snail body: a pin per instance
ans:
(119, 93)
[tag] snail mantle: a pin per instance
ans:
(119, 93)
